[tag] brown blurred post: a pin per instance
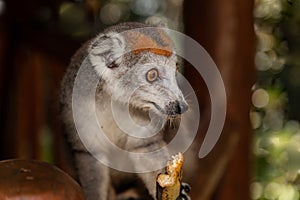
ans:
(225, 30)
(32, 62)
(3, 47)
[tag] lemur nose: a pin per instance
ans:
(176, 107)
(181, 107)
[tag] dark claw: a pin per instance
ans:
(184, 189)
(184, 197)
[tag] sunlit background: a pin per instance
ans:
(276, 101)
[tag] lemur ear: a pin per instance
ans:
(107, 50)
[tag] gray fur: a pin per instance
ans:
(118, 75)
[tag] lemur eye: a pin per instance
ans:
(152, 75)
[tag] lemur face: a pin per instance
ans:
(139, 68)
(153, 85)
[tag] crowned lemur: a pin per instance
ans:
(136, 68)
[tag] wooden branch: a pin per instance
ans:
(168, 187)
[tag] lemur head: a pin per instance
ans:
(137, 65)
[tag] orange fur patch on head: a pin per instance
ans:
(155, 51)
(156, 42)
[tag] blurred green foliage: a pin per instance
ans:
(276, 112)
(82, 19)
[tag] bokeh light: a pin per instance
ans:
(268, 9)
(280, 192)
(267, 57)
(145, 8)
(262, 61)
(2, 7)
(72, 18)
(256, 119)
(265, 40)
(256, 190)
(260, 98)
(176, 2)
(272, 191)
(112, 13)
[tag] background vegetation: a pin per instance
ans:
(276, 112)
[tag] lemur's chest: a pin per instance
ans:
(126, 131)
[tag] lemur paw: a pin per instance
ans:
(184, 190)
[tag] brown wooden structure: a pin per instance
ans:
(35, 180)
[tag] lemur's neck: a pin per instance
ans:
(125, 123)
